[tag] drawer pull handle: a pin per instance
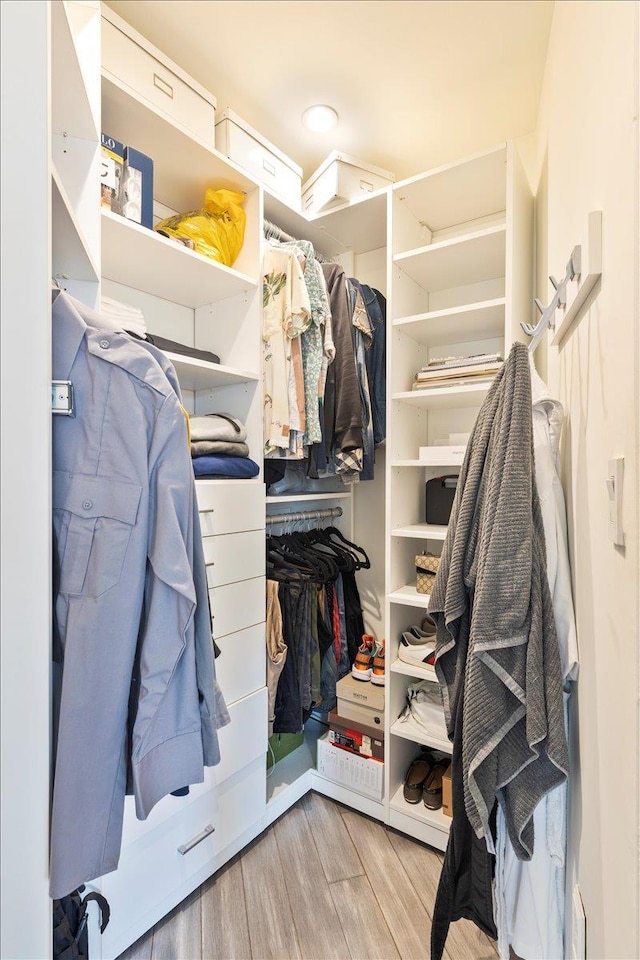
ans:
(210, 563)
(308, 201)
(269, 167)
(207, 510)
(163, 86)
(208, 830)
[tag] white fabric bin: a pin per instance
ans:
(251, 151)
(156, 80)
(341, 178)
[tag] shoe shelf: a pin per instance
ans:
(421, 531)
(138, 257)
(434, 818)
(409, 670)
(410, 596)
(408, 730)
(455, 324)
(443, 398)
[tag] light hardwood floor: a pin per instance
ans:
(323, 883)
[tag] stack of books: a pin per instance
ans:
(449, 371)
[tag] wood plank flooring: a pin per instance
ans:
(322, 882)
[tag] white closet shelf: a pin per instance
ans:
(409, 730)
(470, 258)
(434, 818)
(71, 110)
(433, 465)
(140, 258)
(449, 194)
(407, 670)
(421, 531)
(304, 497)
(71, 255)
(359, 225)
(409, 596)
(183, 166)
(446, 398)
(196, 374)
(456, 324)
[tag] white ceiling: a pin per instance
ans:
(415, 82)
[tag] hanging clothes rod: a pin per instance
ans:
(273, 232)
(330, 512)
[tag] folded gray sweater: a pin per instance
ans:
(218, 426)
(496, 630)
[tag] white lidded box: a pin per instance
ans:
(360, 701)
(135, 65)
(364, 775)
(341, 178)
(251, 151)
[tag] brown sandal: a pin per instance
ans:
(432, 786)
(414, 780)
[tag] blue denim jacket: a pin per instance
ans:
(123, 517)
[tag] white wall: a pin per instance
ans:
(589, 160)
(25, 565)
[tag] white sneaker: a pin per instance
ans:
(417, 654)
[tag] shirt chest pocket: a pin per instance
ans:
(93, 518)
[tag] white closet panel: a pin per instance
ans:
(234, 556)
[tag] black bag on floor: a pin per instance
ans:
(70, 937)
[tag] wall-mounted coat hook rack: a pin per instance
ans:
(583, 270)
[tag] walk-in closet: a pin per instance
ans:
(320, 618)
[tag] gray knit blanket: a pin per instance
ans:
(496, 638)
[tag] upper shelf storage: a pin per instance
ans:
(449, 199)
(138, 257)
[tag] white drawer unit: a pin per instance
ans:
(241, 666)
(237, 605)
(162, 867)
(341, 178)
(234, 556)
(230, 507)
(246, 147)
(151, 77)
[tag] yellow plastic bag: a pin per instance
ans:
(217, 230)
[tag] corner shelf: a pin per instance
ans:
(195, 374)
(421, 531)
(410, 731)
(458, 262)
(434, 818)
(138, 257)
(410, 596)
(456, 324)
(443, 398)
(71, 256)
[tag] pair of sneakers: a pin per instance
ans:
(369, 662)
(418, 644)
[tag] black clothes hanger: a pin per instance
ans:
(365, 563)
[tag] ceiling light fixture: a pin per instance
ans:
(320, 118)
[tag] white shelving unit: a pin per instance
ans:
(459, 282)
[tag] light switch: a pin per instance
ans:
(614, 491)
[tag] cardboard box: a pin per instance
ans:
(360, 701)
(111, 167)
(360, 774)
(360, 739)
(136, 197)
(447, 800)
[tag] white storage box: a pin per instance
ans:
(437, 456)
(246, 147)
(156, 80)
(357, 773)
(339, 179)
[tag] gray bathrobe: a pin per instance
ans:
(496, 631)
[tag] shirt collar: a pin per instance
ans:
(69, 330)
